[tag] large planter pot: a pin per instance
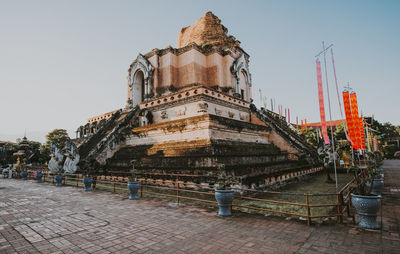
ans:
(224, 199)
(39, 177)
(24, 175)
(133, 188)
(367, 208)
(377, 185)
(58, 179)
(87, 181)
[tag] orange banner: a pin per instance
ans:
(321, 104)
(356, 121)
(349, 119)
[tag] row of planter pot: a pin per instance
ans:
(39, 175)
(366, 206)
(223, 197)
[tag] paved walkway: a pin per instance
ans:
(40, 218)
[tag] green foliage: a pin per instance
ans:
(58, 137)
(389, 149)
(363, 180)
(133, 172)
(90, 166)
(223, 181)
(312, 137)
(339, 132)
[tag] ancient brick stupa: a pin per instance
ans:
(189, 109)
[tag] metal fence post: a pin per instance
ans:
(339, 207)
(141, 188)
(177, 193)
(308, 211)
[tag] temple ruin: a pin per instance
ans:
(190, 108)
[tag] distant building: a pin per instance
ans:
(317, 125)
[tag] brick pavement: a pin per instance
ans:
(40, 218)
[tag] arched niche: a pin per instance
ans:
(138, 88)
(140, 80)
(243, 89)
(241, 73)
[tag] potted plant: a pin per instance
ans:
(365, 204)
(24, 173)
(59, 177)
(39, 176)
(133, 184)
(377, 181)
(223, 195)
(90, 167)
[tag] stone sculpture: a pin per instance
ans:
(64, 160)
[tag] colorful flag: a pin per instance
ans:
(321, 104)
(349, 119)
(356, 121)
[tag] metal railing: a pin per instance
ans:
(178, 190)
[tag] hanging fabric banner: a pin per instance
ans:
(321, 104)
(302, 127)
(286, 114)
(362, 133)
(349, 119)
(356, 121)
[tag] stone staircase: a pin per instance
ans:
(109, 135)
(283, 129)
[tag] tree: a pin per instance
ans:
(312, 137)
(339, 132)
(58, 137)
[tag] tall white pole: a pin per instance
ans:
(330, 116)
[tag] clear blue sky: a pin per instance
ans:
(62, 62)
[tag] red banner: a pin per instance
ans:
(356, 121)
(321, 104)
(349, 119)
(362, 133)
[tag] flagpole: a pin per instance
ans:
(330, 112)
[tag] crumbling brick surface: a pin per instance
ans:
(206, 30)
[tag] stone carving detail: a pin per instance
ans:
(202, 107)
(164, 114)
(72, 157)
(64, 160)
(218, 112)
(231, 114)
(242, 117)
(55, 164)
(181, 112)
